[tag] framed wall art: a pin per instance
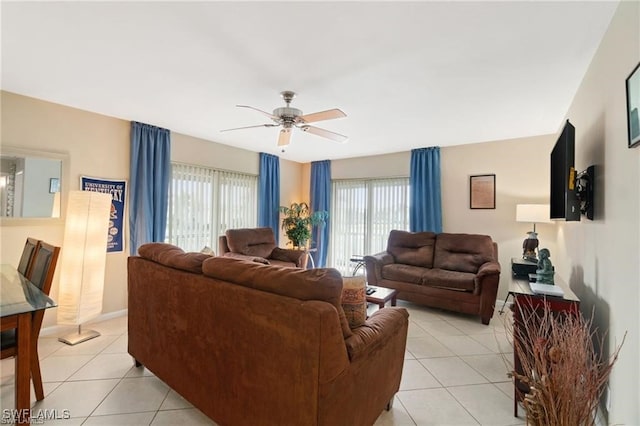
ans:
(633, 106)
(482, 192)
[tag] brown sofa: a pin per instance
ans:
(458, 272)
(259, 245)
(253, 344)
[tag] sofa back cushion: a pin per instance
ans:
(324, 284)
(251, 241)
(412, 248)
(172, 256)
(462, 252)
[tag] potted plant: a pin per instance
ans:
(297, 222)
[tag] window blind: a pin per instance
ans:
(205, 202)
(363, 212)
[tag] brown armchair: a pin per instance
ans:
(259, 245)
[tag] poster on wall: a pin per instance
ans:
(117, 189)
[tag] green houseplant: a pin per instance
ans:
(297, 222)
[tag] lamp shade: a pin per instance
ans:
(535, 213)
(84, 254)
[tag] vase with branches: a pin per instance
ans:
(298, 220)
(562, 365)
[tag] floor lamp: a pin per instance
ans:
(83, 259)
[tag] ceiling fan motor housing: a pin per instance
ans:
(286, 114)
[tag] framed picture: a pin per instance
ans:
(482, 192)
(633, 106)
(54, 185)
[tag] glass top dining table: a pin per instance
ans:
(19, 295)
(20, 300)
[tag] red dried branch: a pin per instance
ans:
(560, 365)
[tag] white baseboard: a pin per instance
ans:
(62, 329)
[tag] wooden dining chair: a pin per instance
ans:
(28, 254)
(41, 274)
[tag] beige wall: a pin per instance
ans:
(602, 257)
(388, 165)
(98, 145)
(521, 167)
(291, 184)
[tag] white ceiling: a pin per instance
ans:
(407, 74)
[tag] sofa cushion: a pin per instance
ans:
(462, 252)
(173, 256)
(354, 300)
(412, 248)
(251, 241)
(324, 284)
(449, 279)
(404, 273)
(239, 256)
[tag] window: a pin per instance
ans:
(363, 212)
(204, 203)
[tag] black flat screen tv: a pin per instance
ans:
(564, 203)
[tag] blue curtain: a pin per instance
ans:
(150, 173)
(269, 193)
(425, 210)
(320, 201)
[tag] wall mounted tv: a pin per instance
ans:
(564, 202)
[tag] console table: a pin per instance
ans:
(525, 298)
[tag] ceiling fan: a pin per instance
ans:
(289, 117)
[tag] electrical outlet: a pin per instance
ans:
(608, 399)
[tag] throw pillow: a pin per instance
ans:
(208, 250)
(354, 300)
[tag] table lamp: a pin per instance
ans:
(534, 213)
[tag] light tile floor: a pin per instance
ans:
(455, 373)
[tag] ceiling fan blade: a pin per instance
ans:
(268, 114)
(329, 114)
(251, 127)
(324, 133)
(285, 137)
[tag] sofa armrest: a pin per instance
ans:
(487, 277)
(374, 264)
(299, 257)
(488, 268)
(486, 286)
(377, 330)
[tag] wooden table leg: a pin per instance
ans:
(394, 300)
(23, 368)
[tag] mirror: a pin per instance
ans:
(30, 183)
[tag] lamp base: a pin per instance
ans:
(79, 337)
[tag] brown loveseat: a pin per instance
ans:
(458, 272)
(259, 245)
(253, 344)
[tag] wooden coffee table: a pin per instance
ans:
(382, 295)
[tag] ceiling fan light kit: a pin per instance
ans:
(289, 117)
